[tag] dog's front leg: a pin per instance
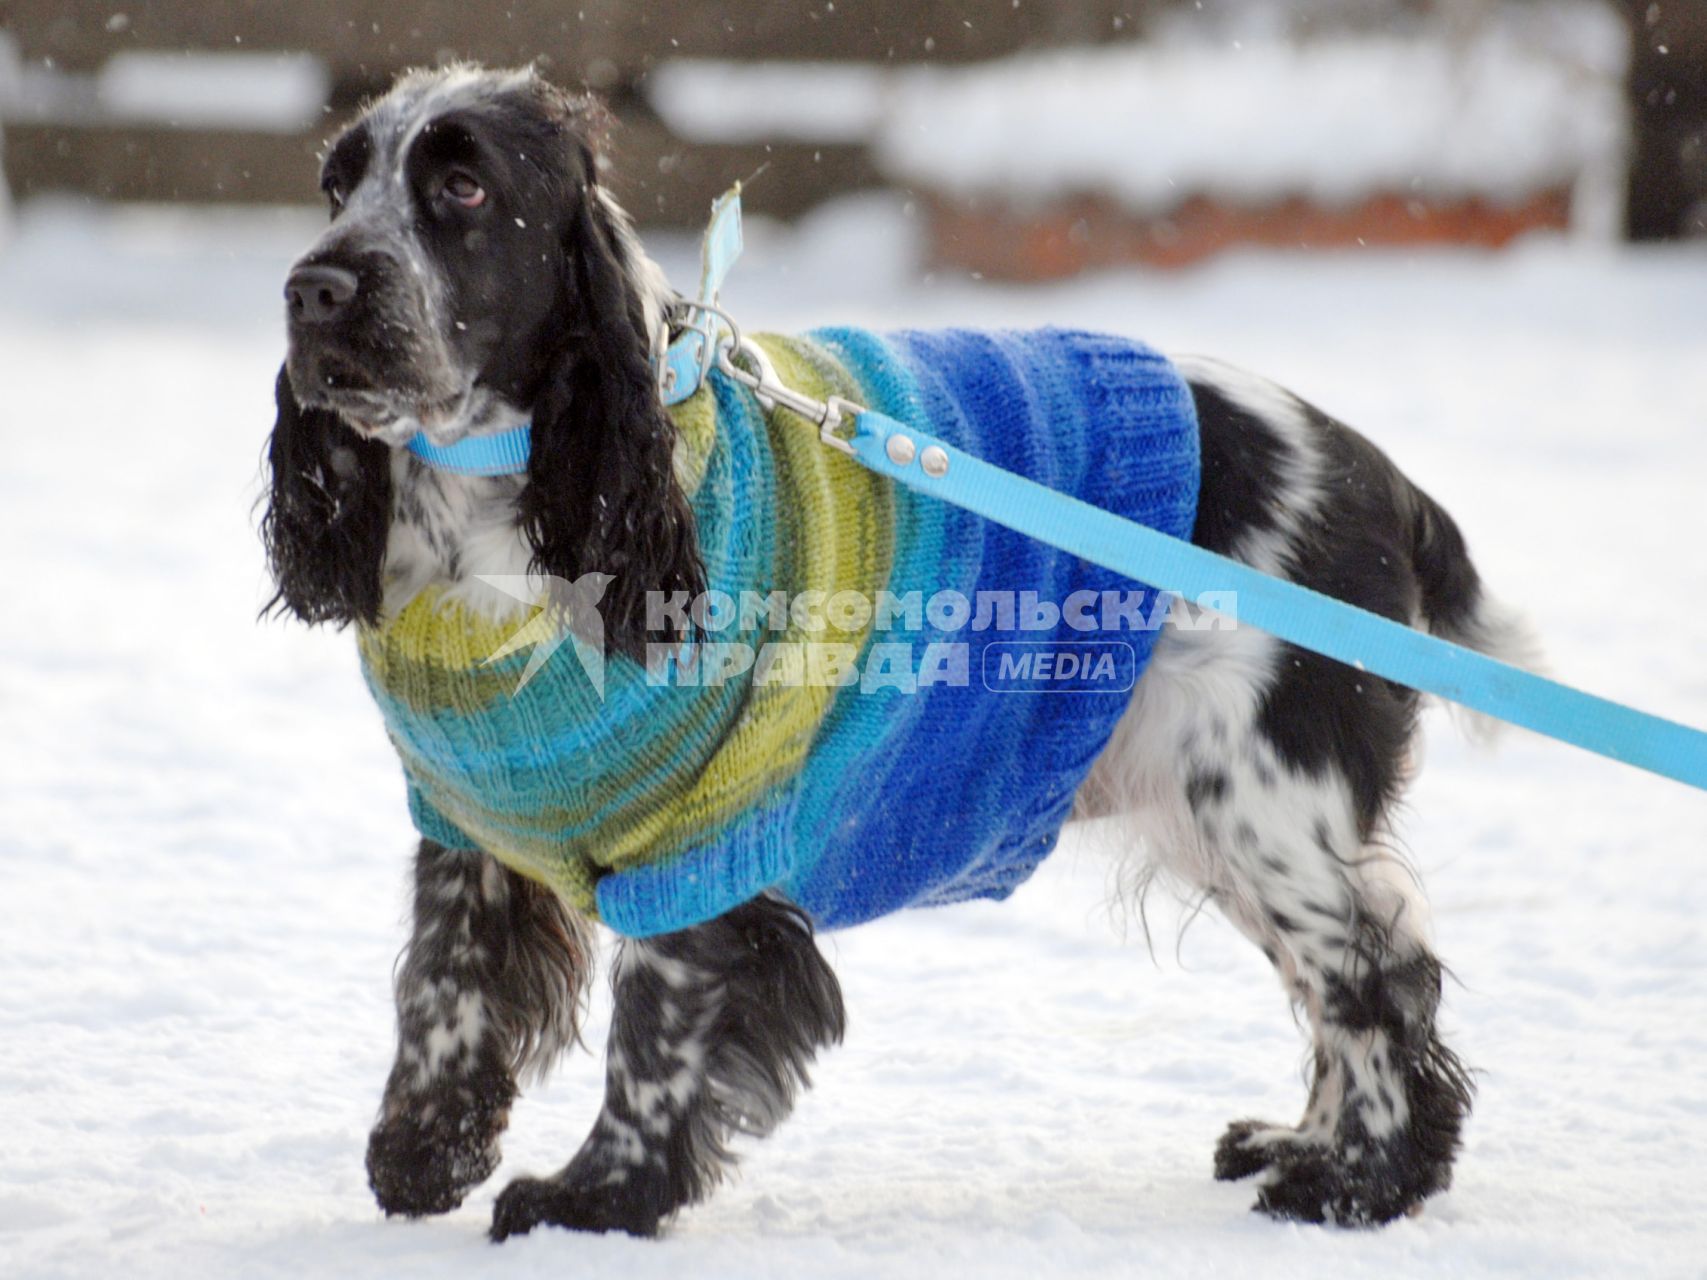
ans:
(711, 1035)
(489, 988)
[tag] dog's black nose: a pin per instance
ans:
(316, 295)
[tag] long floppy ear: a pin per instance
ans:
(602, 493)
(328, 510)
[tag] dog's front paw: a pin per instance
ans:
(1250, 1146)
(577, 1203)
(1325, 1186)
(424, 1159)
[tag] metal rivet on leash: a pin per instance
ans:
(901, 449)
(934, 460)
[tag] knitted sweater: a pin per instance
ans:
(942, 772)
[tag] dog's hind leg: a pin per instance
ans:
(1263, 776)
(711, 1036)
(1344, 927)
(1266, 776)
(489, 990)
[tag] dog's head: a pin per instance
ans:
(475, 274)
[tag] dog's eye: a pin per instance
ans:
(465, 191)
(335, 195)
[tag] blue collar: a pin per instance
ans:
(504, 453)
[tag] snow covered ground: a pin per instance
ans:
(203, 840)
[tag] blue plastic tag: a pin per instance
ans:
(689, 357)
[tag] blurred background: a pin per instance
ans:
(1038, 139)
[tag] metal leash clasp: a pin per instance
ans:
(762, 380)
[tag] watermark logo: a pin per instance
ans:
(845, 639)
(1041, 666)
(562, 611)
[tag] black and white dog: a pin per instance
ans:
(476, 274)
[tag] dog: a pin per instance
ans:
(477, 274)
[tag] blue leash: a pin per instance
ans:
(1284, 609)
(1293, 613)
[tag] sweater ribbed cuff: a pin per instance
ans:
(703, 883)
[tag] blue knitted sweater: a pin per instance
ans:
(941, 769)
